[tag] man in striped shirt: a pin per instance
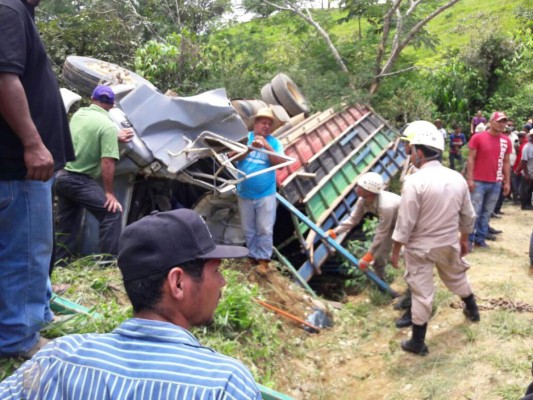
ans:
(170, 267)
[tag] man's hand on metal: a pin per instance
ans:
(39, 162)
(125, 135)
(259, 142)
(112, 203)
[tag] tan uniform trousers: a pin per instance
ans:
(382, 256)
(419, 277)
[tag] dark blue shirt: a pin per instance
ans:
(22, 53)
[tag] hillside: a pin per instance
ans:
(454, 27)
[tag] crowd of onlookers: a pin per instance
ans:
(521, 161)
(521, 173)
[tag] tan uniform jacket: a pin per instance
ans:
(435, 205)
(385, 206)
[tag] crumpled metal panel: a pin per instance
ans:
(169, 125)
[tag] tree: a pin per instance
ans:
(397, 16)
(400, 18)
(178, 63)
(92, 33)
(305, 13)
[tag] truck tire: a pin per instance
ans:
(289, 95)
(280, 113)
(267, 94)
(245, 111)
(256, 105)
(293, 122)
(84, 73)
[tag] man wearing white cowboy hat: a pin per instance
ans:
(257, 195)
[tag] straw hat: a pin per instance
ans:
(266, 112)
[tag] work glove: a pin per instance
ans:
(365, 261)
(331, 233)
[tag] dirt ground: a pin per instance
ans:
(360, 357)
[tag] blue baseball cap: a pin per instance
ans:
(104, 94)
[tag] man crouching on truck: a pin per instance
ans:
(374, 200)
(171, 271)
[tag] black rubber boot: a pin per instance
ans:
(405, 301)
(470, 309)
(416, 344)
(405, 320)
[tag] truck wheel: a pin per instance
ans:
(245, 111)
(256, 105)
(268, 95)
(280, 113)
(84, 73)
(289, 95)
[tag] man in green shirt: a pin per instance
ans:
(94, 136)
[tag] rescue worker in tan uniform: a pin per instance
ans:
(372, 199)
(435, 207)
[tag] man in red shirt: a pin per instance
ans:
(488, 168)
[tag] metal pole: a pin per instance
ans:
(342, 251)
(293, 270)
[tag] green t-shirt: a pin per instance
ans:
(94, 136)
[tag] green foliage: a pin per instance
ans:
(257, 7)
(405, 99)
(458, 89)
(357, 279)
(166, 17)
(515, 91)
(178, 63)
(91, 34)
(243, 61)
(242, 329)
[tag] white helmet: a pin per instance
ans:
(480, 127)
(426, 134)
(371, 181)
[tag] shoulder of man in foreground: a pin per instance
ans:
(33, 378)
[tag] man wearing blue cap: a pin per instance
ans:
(95, 142)
(171, 271)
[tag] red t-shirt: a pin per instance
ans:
(488, 166)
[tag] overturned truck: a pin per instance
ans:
(178, 158)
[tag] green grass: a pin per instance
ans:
(242, 328)
(455, 27)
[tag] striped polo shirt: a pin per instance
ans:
(141, 359)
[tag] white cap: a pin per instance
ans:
(371, 181)
(427, 134)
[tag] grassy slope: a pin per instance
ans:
(454, 27)
(360, 357)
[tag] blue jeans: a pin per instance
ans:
(76, 192)
(484, 200)
(257, 220)
(25, 254)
